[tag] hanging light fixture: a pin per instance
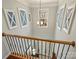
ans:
(39, 22)
(43, 13)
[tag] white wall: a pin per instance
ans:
(13, 4)
(51, 32)
(61, 35)
(44, 32)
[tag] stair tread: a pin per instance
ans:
(19, 57)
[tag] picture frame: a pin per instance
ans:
(60, 17)
(68, 18)
(11, 18)
(23, 17)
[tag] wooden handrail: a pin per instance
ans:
(40, 39)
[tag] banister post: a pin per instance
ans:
(73, 43)
(3, 34)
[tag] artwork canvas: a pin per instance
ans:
(23, 17)
(11, 19)
(60, 16)
(68, 18)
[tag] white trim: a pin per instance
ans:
(58, 27)
(7, 55)
(20, 17)
(71, 18)
(59, 17)
(6, 11)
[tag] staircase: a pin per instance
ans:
(26, 47)
(18, 57)
(14, 57)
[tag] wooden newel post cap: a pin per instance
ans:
(73, 43)
(3, 34)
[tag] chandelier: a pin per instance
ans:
(41, 21)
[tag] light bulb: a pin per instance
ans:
(41, 22)
(37, 22)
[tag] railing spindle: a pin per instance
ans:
(28, 43)
(41, 49)
(58, 49)
(17, 46)
(34, 47)
(38, 48)
(34, 44)
(67, 52)
(53, 55)
(54, 48)
(7, 42)
(45, 49)
(12, 43)
(49, 50)
(22, 46)
(29, 49)
(25, 47)
(62, 51)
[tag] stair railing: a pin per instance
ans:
(23, 46)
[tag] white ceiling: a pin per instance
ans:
(37, 2)
(43, 1)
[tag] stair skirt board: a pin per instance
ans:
(6, 55)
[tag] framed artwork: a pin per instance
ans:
(68, 18)
(23, 17)
(60, 17)
(11, 19)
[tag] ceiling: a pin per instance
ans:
(38, 1)
(42, 1)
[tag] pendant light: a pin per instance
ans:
(40, 8)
